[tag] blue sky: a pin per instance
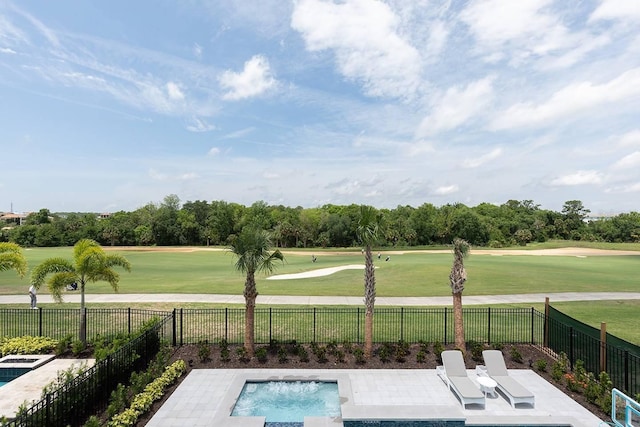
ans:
(109, 105)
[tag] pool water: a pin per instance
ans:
(288, 401)
(9, 374)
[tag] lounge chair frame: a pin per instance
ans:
(454, 374)
(496, 369)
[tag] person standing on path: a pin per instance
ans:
(32, 294)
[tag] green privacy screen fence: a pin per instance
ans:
(579, 341)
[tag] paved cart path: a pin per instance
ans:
(328, 300)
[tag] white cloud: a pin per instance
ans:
(578, 178)
(156, 176)
(617, 9)
(253, 80)
(456, 106)
(7, 50)
(199, 125)
(188, 176)
(449, 189)
(570, 100)
(525, 30)
(479, 161)
(174, 92)
(629, 188)
(629, 161)
(214, 151)
(197, 51)
(630, 138)
(364, 38)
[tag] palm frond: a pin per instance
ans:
(50, 266)
(12, 258)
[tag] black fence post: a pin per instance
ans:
(174, 324)
(314, 324)
(40, 332)
(358, 324)
(402, 323)
(129, 320)
(226, 324)
(181, 326)
(571, 347)
(270, 326)
(489, 325)
(445, 326)
(532, 320)
(627, 389)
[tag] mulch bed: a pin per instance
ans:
(192, 354)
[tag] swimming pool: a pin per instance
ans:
(9, 374)
(288, 401)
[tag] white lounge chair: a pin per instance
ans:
(512, 390)
(454, 374)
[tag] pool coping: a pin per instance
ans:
(207, 397)
(41, 359)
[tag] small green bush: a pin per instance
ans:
(541, 365)
(358, 352)
(438, 348)
(64, 344)
(303, 355)
(27, 345)
(261, 354)
(77, 347)
(283, 357)
(421, 356)
(204, 350)
(476, 350)
(560, 367)
(515, 355)
(497, 346)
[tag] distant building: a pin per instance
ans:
(104, 215)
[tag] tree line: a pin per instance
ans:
(202, 223)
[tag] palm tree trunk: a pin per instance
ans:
(369, 301)
(458, 324)
(83, 316)
(250, 295)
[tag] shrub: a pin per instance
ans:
(303, 355)
(339, 354)
(476, 350)
(143, 401)
(497, 346)
(515, 355)
(560, 367)
(261, 354)
(27, 345)
(321, 354)
(77, 347)
(64, 344)
(421, 356)
(204, 350)
(438, 348)
(243, 355)
(117, 401)
(541, 365)
(424, 346)
(347, 346)
(282, 355)
(358, 352)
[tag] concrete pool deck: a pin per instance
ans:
(28, 387)
(206, 398)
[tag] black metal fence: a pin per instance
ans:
(579, 341)
(323, 325)
(59, 323)
(76, 400)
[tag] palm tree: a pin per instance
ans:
(457, 278)
(90, 264)
(367, 231)
(12, 258)
(252, 247)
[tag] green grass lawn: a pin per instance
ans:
(410, 274)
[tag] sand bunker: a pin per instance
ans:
(316, 273)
